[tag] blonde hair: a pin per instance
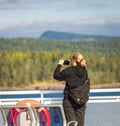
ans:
(78, 57)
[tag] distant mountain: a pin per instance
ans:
(53, 35)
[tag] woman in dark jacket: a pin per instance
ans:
(75, 75)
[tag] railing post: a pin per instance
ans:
(30, 111)
(63, 115)
(4, 117)
(42, 97)
(36, 116)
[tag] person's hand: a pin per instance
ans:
(61, 61)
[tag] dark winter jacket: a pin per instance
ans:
(74, 76)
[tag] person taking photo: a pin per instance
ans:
(75, 76)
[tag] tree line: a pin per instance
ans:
(21, 68)
(28, 44)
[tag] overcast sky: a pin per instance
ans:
(30, 18)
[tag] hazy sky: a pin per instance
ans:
(30, 18)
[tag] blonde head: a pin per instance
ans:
(78, 57)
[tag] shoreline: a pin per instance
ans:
(57, 85)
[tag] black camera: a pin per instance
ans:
(66, 62)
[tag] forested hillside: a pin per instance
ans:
(23, 44)
(28, 61)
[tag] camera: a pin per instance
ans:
(66, 62)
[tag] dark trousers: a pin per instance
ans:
(73, 112)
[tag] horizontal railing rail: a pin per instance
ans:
(56, 96)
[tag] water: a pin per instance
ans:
(103, 114)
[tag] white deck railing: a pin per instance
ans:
(52, 98)
(56, 96)
(32, 113)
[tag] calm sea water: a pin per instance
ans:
(103, 114)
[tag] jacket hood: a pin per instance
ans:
(79, 71)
